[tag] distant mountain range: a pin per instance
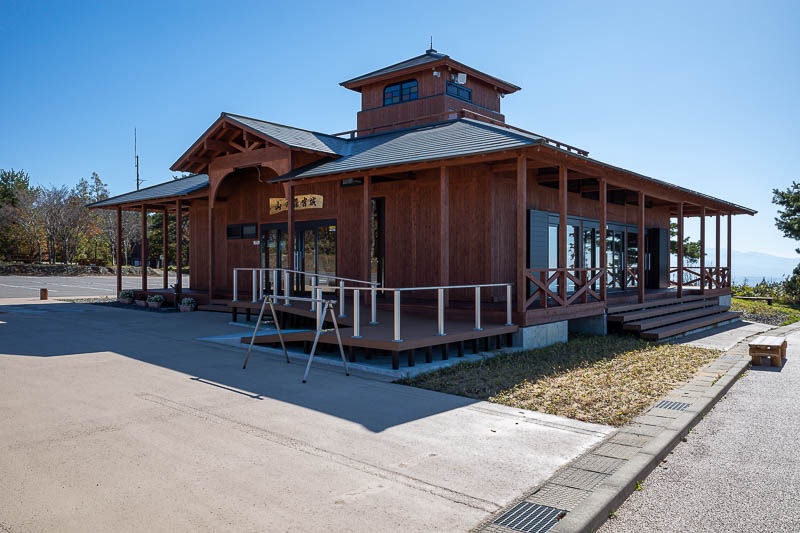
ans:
(755, 266)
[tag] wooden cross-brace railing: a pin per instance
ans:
(702, 277)
(583, 279)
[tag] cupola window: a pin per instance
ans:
(459, 91)
(400, 92)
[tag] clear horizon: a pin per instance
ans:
(699, 96)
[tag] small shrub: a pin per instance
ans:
(188, 302)
(126, 294)
(155, 298)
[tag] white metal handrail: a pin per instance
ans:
(440, 305)
(259, 282)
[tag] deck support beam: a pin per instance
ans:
(522, 233)
(145, 252)
(603, 238)
(680, 250)
(164, 248)
(640, 244)
(702, 249)
(562, 229)
(178, 251)
(444, 232)
(118, 251)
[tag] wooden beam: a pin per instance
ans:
(640, 244)
(562, 228)
(603, 238)
(288, 190)
(145, 252)
(444, 231)
(178, 250)
(522, 233)
(702, 248)
(119, 250)
(730, 270)
(218, 146)
(366, 227)
(717, 252)
(164, 227)
(211, 253)
(680, 250)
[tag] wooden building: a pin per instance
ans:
(435, 189)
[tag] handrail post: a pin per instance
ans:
(374, 310)
(235, 284)
(262, 282)
(255, 285)
(286, 289)
(317, 295)
(478, 309)
(341, 300)
(356, 316)
(397, 317)
(508, 305)
(313, 293)
(440, 312)
(275, 281)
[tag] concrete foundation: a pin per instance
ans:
(541, 335)
(725, 300)
(591, 325)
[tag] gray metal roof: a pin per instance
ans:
(428, 57)
(444, 140)
(176, 187)
(294, 137)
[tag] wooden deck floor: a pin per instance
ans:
(418, 332)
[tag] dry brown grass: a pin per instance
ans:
(607, 380)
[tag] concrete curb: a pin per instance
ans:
(595, 510)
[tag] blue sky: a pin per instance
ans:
(701, 94)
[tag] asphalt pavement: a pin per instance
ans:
(73, 286)
(737, 470)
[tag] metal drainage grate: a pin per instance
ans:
(531, 517)
(675, 406)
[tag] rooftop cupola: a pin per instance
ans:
(427, 88)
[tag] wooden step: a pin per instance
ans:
(659, 311)
(690, 325)
(662, 302)
(674, 318)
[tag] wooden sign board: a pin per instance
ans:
(302, 201)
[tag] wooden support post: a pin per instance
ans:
(702, 249)
(366, 230)
(522, 231)
(178, 249)
(444, 232)
(717, 254)
(210, 250)
(680, 250)
(562, 231)
(119, 250)
(728, 264)
(289, 190)
(145, 252)
(603, 238)
(640, 244)
(164, 249)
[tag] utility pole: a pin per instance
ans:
(136, 160)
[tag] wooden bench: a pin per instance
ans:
(767, 299)
(768, 346)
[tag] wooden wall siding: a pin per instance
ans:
(349, 225)
(400, 238)
(502, 232)
(198, 253)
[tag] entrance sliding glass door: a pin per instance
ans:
(314, 251)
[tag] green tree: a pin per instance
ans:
(691, 249)
(788, 219)
(13, 183)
